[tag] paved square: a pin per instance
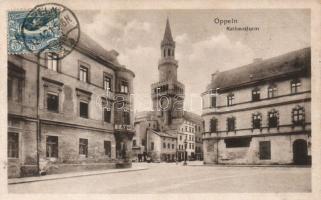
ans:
(172, 178)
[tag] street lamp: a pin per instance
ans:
(185, 153)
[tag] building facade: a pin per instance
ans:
(162, 127)
(69, 114)
(260, 113)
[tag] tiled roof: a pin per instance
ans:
(298, 61)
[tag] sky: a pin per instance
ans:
(202, 46)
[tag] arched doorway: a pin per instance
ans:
(300, 152)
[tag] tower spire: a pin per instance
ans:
(168, 38)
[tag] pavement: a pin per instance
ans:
(72, 175)
(176, 178)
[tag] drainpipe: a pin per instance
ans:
(38, 120)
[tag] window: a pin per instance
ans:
(265, 150)
(192, 146)
(83, 73)
(126, 116)
(134, 143)
(173, 146)
(107, 115)
(107, 147)
(272, 91)
(237, 142)
(143, 142)
(124, 87)
(83, 109)
(256, 121)
(256, 94)
(213, 101)
(168, 146)
(83, 147)
(152, 146)
(213, 125)
(298, 116)
(189, 146)
(164, 145)
(52, 102)
(13, 145)
(52, 61)
(231, 124)
(273, 117)
(180, 137)
(107, 83)
(9, 87)
(52, 146)
(230, 99)
(15, 88)
(295, 84)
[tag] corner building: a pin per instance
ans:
(63, 114)
(260, 113)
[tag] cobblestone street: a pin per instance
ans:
(176, 178)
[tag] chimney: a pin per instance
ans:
(255, 60)
(214, 75)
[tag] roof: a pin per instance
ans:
(87, 43)
(164, 134)
(192, 117)
(168, 38)
(295, 62)
(95, 50)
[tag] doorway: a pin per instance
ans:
(300, 152)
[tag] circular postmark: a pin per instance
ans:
(50, 30)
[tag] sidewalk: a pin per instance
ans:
(71, 175)
(244, 165)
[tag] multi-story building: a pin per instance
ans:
(260, 113)
(66, 111)
(158, 132)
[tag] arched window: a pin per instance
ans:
(298, 115)
(164, 52)
(256, 94)
(168, 52)
(256, 120)
(295, 84)
(273, 117)
(272, 91)
(213, 125)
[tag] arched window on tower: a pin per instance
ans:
(164, 53)
(169, 52)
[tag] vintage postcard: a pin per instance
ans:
(173, 99)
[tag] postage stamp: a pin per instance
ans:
(45, 28)
(33, 33)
